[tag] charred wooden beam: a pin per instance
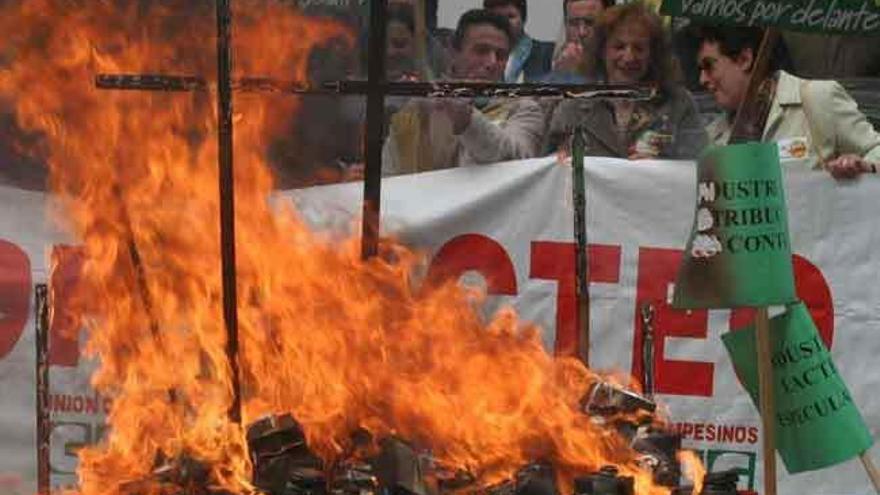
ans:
(41, 305)
(375, 130)
(448, 89)
(647, 313)
(457, 89)
(150, 82)
(227, 199)
(582, 292)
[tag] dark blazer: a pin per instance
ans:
(540, 61)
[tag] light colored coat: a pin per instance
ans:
(420, 138)
(821, 113)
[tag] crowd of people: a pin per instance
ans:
(602, 41)
(599, 41)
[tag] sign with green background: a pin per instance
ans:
(827, 16)
(817, 423)
(739, 251)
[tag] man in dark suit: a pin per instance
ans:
(530, 60)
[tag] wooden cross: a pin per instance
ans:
(375, 88)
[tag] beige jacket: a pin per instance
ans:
(820, 114)
(421, 139)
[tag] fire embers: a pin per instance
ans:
(281, 459)
(178, 476)
(721, 483)
(605, 482)
(631, 415)
(283, 464)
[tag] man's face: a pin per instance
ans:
(726, 78)
(628, 53)
(580, 15)
(482, 55)
(513, 16)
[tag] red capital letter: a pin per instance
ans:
(556, 261)
(15, 294)
(65, 329)
(657, 271)
(478, 253)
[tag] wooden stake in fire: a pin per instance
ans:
(647, 314)
(41, 310)
(579, 194)
(227, 199)
(375, 132)
(226, 183)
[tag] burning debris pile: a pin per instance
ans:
(354, 377)
(283, 464)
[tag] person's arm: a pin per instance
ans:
(519, 136)
(570, 58)
(834, 114)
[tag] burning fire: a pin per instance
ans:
(340, 343)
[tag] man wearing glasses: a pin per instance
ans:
(530, 59)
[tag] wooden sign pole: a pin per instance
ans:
(871, 469)
(751, 117)
(768, 409)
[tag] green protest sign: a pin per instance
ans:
(817, 423)
(739, 252)
(827, 16)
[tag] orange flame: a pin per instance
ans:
(693, 468)
(340, 343)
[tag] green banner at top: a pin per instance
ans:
(826, 16)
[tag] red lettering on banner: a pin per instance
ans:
(65, 327)
(556, 261)
(657, 269)
(685, 429)
(475, 252)
(698, 431)
(812, 288)
(717, 432)
(94, 404)
(814, 291)
(15, 295)
(61, 403)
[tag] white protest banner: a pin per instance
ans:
(511, 226)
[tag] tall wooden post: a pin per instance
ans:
(579, 194)
(751, 117)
